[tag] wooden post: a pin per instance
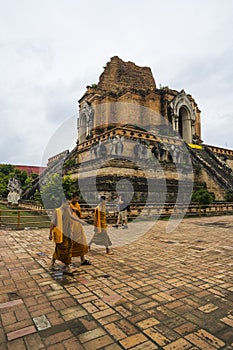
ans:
(0, 218)
(18, 219)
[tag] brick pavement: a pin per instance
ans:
(164, 291)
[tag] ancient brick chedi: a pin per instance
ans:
(128, 128)
(119, 75)
(127, 83)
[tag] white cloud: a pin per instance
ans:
(50, 51)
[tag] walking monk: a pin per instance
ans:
(100, 236)
(61, 233)
(79, 240)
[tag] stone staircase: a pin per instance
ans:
(214, 166)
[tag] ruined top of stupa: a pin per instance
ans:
(119, 75)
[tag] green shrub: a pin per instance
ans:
(203, 197)
(229, 196)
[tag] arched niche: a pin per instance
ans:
(85, 121)
(183, 116)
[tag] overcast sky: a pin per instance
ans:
(52, 49)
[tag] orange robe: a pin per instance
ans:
(79, 240)
(100, 236)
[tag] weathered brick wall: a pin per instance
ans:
(212, 185)
(229, 162)
(119, 75)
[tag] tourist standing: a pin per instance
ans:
(122, 213)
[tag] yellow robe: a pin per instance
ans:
(79, 240)
(100, 236)
(63, 248)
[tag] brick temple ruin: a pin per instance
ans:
(128, 128)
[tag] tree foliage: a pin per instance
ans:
(7, 172)
(229, 196)
(54, 190)
(202, 196)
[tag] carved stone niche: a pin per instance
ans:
(85, 121)
(183, 116)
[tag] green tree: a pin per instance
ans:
(229, 196)
(54, 189)
(37, 197)
(6, 169)
(203, 197)
(68, 186)
(6, 172)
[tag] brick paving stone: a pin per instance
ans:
(33, 342)
(133, 340)
(18, 325)
(123, 311)
(69, 301)
(157, 337)
(115, 331)
(41, 309)
(56, 338)
(58, 304)
(98, 343)
(88, 324)
(104, 313)
(100, 305)
(147, 323)
(167, 332)
(110, 319)
(165, 311)
(112, 347)
(148, 345)
(10, 304)
(180, 344)
(90, 335)
(142, 301)
(207, 308)
(210, 338)
(90, 307)
(72, 344)
(2, 336)
(85, 299)
(174, 304)
(185, 328)
(73, 312)
(228, 320)
(22, 314)
(17, 344)
(126, 327)
(190, 295)
(30, 301)
(21, 332)
(56, 347)
(200, 343)
(143, 315)
(73, 290)
(8, 318)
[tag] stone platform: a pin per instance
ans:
(164, 291)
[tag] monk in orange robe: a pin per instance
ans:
(100, 236)
(79, 240)
(61, 233)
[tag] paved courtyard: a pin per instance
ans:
(164, 291)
